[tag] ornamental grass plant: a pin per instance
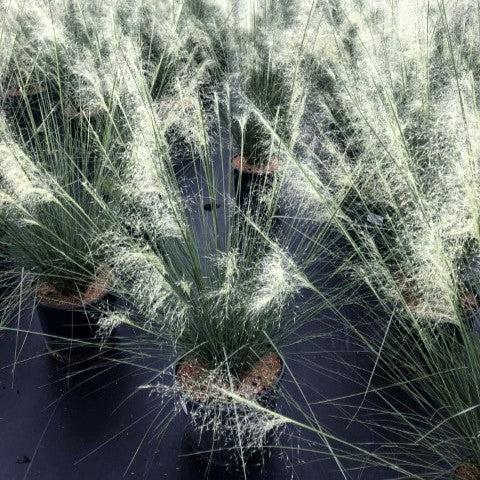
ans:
(57, 175)
(368, 112)
(46, 230)
(220, 289)
(409, 94)
(92, 188)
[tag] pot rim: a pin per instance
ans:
(73, 303)
(46, 302)
(227, 406)
(241, 164)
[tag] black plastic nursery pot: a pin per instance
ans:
(250, 180)
(213, 441)
(71, 326)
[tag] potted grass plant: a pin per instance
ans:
(59, 70)
(215, 295)
(73, 159)
(441, 383)
(219, 431)
(430, 288)
(48, 233)
(227, 320)
(264, 112)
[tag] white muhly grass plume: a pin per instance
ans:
(98, 55)
(88, 89)
(277, 281)
(433, 273)
(20, 179)
(38, 21)
(110, 321)
(122, 75)
(438, 237)
(14, 176)
(181, 113)
(150, 202)
(314, 193)
(433, 235)
(30, 31)
(144, 155)
(228, 264)
(416, 119)
(141, 275)
(248, 429)
(151, 215)
(375, 88)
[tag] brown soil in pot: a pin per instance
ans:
(470, 301)
(406, 289)
(242, 165)
(467, 471)
(194, 378)
(50, 296)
